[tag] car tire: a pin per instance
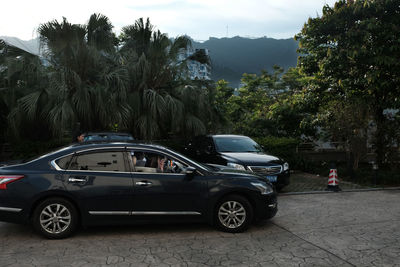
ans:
(55, 218)
(233, 214)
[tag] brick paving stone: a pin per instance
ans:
(341, 229)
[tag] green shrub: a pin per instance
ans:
(281, 147)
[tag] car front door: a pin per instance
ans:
(101, 181)
(162, 186)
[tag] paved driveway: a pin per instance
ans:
(347, 229)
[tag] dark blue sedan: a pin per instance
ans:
(122, 183)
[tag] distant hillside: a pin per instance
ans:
(231, 57)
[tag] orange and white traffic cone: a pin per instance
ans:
(333, 181)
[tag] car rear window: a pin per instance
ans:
(99, 161)
(63, 162)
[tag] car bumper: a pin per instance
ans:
(283, 179)
(12, 215)
(266, 206)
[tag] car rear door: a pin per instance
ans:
(101, 181)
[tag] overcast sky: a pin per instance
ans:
(199, 19)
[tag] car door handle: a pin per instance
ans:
(143, 183)
(77, 180)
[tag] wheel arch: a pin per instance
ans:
(218, 199)
(55, 194)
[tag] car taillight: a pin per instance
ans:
(6, 179)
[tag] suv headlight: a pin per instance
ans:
(285, 166)
(236, 166)
(264, 188)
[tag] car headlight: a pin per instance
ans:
(264, 188)
(236, 166)
(285, 166)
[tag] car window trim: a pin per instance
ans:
(158, 152)
(75, 153)
(124, 149)
(185, 160)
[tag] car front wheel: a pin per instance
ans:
(55, 218)
(233, 214)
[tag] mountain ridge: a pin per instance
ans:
(231, 57)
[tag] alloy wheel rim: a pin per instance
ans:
(232, 214)
(55, 218)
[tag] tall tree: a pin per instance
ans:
(162, 101)
(21, 73)
(353, 50)
(87, 85)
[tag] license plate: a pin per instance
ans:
(272, 178)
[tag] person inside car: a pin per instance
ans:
(78, 137)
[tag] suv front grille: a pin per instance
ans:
(266, 170)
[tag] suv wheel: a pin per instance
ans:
(233, 214)
(55, 218)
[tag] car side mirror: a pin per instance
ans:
(190, 171)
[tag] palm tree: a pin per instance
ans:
(163, 103)
(86, 80)
(91, 77)
(21, 73)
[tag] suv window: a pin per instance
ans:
(152, 162)
(112, 161)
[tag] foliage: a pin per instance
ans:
(248, 108)
(21, 73)
(348, 123)
(283, 147)
(162, 103)
(294, 109)
(201, 56)
(353, 52)
(30, 149)
(278, 104)
(92, 78)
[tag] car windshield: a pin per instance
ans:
(236, 144)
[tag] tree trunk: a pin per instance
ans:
(380, 137)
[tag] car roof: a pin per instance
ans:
(107, 133)
(98, 145)
(228, 136)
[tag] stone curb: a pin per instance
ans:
(343, 191)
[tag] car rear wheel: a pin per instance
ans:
(233, 214)
(55, 218)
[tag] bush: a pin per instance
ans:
(282, 147)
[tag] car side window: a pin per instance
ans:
(152, 162)
(63, 162)
(112, 161)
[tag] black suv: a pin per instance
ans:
(239, 152)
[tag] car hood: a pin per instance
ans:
(251, 158)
